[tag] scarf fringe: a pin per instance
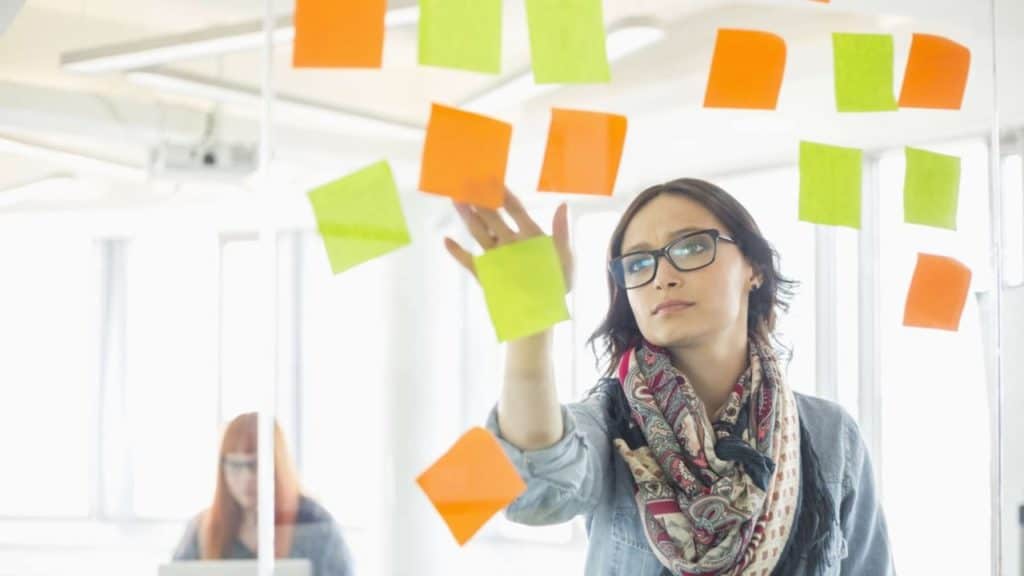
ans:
(813, 526)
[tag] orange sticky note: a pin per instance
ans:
(583, 153)
(936, 75)
(465, 156)
(339, 33)
(746, 71)
(471, 483)
(938, 293)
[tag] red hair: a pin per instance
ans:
(221, 522)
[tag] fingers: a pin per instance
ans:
(519, 215)
(463, 257)
(495, 224)
(490, 229)
(476, 226)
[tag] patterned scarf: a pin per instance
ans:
(714, 499)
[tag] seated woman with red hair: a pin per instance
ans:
(228, 529)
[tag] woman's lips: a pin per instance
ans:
(671, 306)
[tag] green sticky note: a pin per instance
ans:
(463, 34)
(359, 216)
(523, 287)
(931, 189)
(863, 72)
(567, 41)
(830, 183)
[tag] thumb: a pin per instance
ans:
(560, 234)
(560, 228)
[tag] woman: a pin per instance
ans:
(693, 456)
(228, 529)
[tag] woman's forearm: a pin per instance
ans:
(529, 414)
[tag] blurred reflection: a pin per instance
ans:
(228, 528)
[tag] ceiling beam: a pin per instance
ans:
(162, 50)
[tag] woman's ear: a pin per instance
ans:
(755, 281)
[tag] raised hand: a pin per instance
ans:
(490, 229)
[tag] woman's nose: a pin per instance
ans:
(667, 276)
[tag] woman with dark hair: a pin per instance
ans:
(692, 456)
(228, 528)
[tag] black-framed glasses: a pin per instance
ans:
(237, 466)
(691, 251)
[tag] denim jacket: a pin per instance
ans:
(583, 474)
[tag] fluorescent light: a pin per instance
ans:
(218, 90)
(162, 50)
(626, 40)
(71, 159)
(37, 188)
(208, 42)
(622, 40)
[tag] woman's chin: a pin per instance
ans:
(678, 338)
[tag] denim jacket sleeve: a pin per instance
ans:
(335, 558)
(861, 517)
(567, 478)
(188, 546)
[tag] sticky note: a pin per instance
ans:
(567, 41)
(746, 70)
(461, 34)
(465, 156)
(524, 287)
(936, 75)
(830, 184)
(339, 33)
(938, 293)
(583, 152)
(471, 483)
(863, 72)
(931, 189)
(359, 216)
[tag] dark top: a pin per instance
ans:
(317, 537)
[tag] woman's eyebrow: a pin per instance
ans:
(673, 236)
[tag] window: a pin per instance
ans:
(1013, 220)
(344, 347)
(49, 300)
(772, 197)
(239, 302)
(171, 372)
(935, 419)
(591, 234)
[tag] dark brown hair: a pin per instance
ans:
(619, 332)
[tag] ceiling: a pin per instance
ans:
(659, 88)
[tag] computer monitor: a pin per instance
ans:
(282, 567)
